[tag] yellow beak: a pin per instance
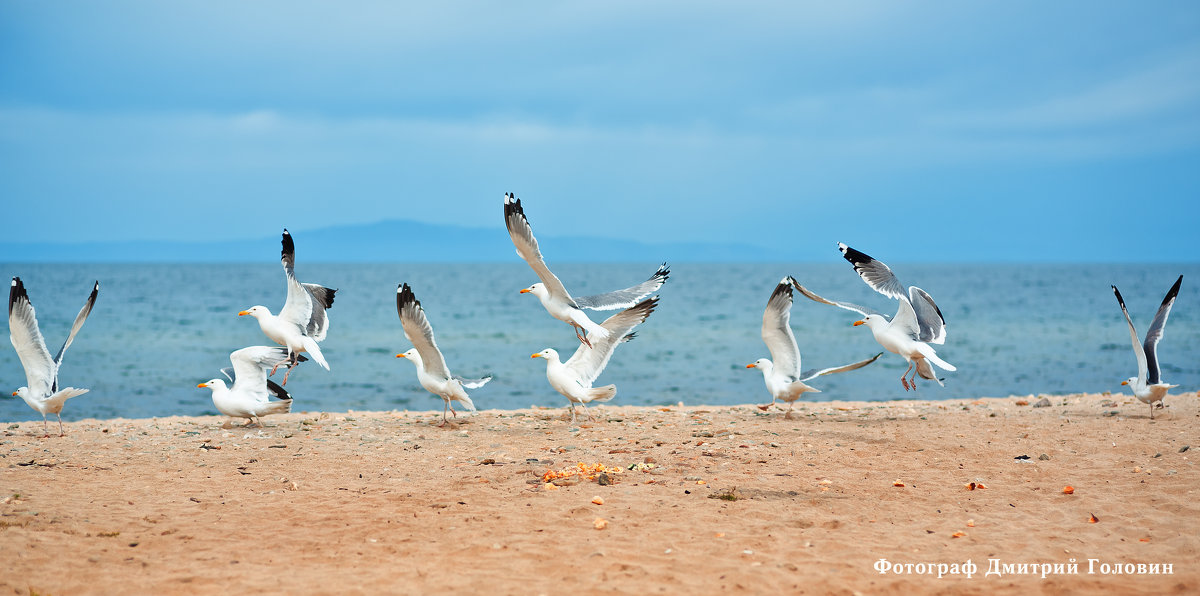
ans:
(243, 313)
(202, 385)
(751, 366)
(531, 356)
(14, 393)
(1122, 382)
(525, 291)
(857, 323)
(400, 355)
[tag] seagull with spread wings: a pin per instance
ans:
(551, 291)
(781, 372)
(574, 378)
(41, 390)
(302, 322)
(249, 397)
(432, 371)
(1148, 385)
(918, 321)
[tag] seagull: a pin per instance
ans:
(432, 371)
(302, 322)
(782, 373)
(917, 323)
(249, 396)
(574, 377)
(553, 294)
(1148, 385)
(41, 392)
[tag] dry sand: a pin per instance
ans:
(386, 502)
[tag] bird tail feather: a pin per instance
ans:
(604, 393)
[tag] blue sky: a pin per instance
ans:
(920, 131)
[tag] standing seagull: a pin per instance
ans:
(553, 294)
(432, 371)
(250, 395)
(574, 377)
(782, 372)
(302, 322)
(1148, 385)
(41, 392)
(917, 323)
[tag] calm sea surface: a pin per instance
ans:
(158, 330)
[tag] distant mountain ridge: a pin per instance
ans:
(387, 241)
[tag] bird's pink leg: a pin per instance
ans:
(904, 381)
(580, 335)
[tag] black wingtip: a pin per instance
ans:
(1174, 291)
(855, 257)
(289, 247)
(278, 391)
(405, 297)
(1120, 300)
(663, 273)
(512, 206)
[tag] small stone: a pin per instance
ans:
(1042, 403)
(603, 479)
(1157, 455)
(1184, 448)
(1044, 457)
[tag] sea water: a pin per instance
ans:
(158, 330)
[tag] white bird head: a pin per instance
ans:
(1131, 381)
(412, 355)
(537, 289)
(255, 311)
(872, 321)
(549, 354)
(22, 392)
(213, 384)
(762, 364)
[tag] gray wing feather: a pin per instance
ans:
(419, 332)
(527, 247)
(306, 303)
(627, 297)
(809, 375)
(79, 319)
(41, 372)
(862, 310)
(929, 316)
(587, 362)
(473, 383)
(1155, 333)
(250, 367)
(777, 330)
(877, 275)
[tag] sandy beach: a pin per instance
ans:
(718, 500)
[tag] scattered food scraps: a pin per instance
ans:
(597, 500)
(581, 470)
(1068, 490)
(958, 535)
(1092, 519)
(600, 523)
(898, 483)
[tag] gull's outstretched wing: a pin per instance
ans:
(306, 303)
(587, 362)
(250, 367)
(862, 310)
(777, 330)
(809, 375)
(527, 247)
(41, 372)
(929, 316)
(1138, 351)
(627, 297)
(875, 273)
(79, 319)
(418, 331)
(1155, 333)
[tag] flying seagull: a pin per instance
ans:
(302, 322)
(432, 371)
(574, 377)
(918, 321)
(249, 397)
(554, 295)
(781, 372)
(41, 391)
(1148, 385)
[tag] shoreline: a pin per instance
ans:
(726, 498)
